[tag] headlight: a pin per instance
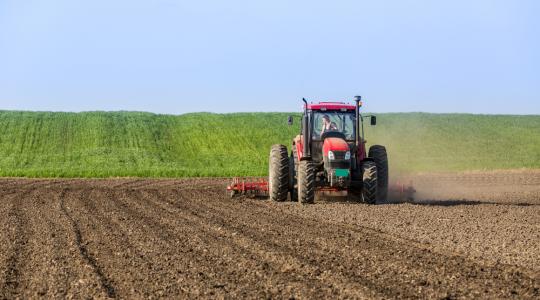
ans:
(347, 155)
(331, 155)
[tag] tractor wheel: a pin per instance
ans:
(378, 153)
(293, 190)
(369, 178)
(278, 181)
(306, 182)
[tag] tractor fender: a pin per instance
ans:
(299, 146)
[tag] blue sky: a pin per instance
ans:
(170, 56)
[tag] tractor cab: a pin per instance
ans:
(331, 120)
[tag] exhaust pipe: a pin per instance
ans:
(357, 99)
(305, 132)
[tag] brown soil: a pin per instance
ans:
(474, 235)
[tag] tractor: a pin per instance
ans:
(329, 154)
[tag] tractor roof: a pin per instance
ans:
(330, 106)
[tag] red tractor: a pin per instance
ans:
(329, 154)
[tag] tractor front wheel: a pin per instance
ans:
(306, 182)
(278, 179)
(369, 186)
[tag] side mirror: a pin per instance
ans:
(373, 120)
(290, 120)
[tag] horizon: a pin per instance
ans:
(258, 112)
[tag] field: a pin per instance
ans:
(132, 144)
(473, 235)
(473, 230)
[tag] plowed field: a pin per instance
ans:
(474, 235)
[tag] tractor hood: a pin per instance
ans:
(334, 144)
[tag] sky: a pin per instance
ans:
(175, 57)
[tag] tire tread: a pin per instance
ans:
(379, 155)
(306, 182)
(278, 185)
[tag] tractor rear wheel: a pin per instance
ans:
(378, 154)
(278, 179)
(369, 186)
(306, 182)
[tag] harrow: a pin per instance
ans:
(248, 186)
(401, 192)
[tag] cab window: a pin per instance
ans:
(333, 121)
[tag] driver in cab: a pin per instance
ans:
(327, 125)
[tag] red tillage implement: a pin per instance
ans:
(255, 187)
(401, 192)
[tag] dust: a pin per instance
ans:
(495, 187)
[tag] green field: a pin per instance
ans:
(111, 144)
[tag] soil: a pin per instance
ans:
(469, 235)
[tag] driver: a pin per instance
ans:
(328, 125)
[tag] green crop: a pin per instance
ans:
(126, 144)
